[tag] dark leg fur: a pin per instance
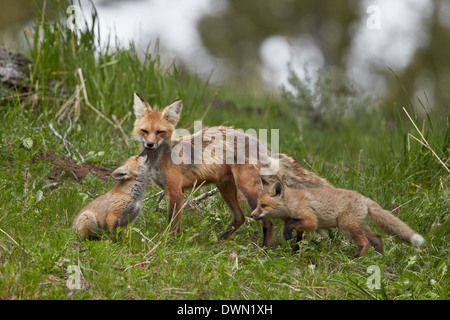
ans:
(175, 210)
(267, 227)
(375, 240)
(229, 193)
(289, 226)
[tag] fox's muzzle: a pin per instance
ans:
(257, 216)
(152, 145)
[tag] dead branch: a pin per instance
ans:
(75, 100)
(116, 124)
(154, 195)
(197, 199)
(93, 196)
(206, 195)
(66, 142)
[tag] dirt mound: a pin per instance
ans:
(64, 168)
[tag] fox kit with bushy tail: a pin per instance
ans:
(120, 205)
(308, 210)
(173, 166)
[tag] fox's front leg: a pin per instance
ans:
(175, 199)
(287, 233)
(267, 227)
(288, 227)
(301, 225)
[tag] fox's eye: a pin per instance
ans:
(144, 131)
(159, 131)
(263, 205)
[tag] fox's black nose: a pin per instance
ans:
(150, 144)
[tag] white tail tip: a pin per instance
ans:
(417, 240)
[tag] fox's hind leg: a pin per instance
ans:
(229, 193)
(351, 223)
(362, 242)
(175, 199)
(357, 234)
(87, 226)
(247, 179)
(113, 223)
(375, 240)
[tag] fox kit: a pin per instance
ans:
(323, 208)
(120, 205)
(154, 130)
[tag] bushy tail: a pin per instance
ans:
(86, 224)
(392, 225)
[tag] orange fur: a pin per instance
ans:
(120, 205)
(308, 210)
(154, 130)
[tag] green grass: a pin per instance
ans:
(38, 248)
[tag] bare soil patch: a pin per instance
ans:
(64, 168)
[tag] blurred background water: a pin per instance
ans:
(398, 50)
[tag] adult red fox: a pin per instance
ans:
(120, 205)
(308, 210)
(218, 155)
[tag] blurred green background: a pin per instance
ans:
(249, 43)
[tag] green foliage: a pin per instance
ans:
(322, 105)
(236, 33)
(38, 249)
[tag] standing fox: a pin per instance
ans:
(120, 205)
(323, 208)
(154, 130)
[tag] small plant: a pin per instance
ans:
(321, 104)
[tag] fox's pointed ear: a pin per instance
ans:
(120, 174)
(140, 105)
(263, 183)
(172, 112)
(277, 189)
